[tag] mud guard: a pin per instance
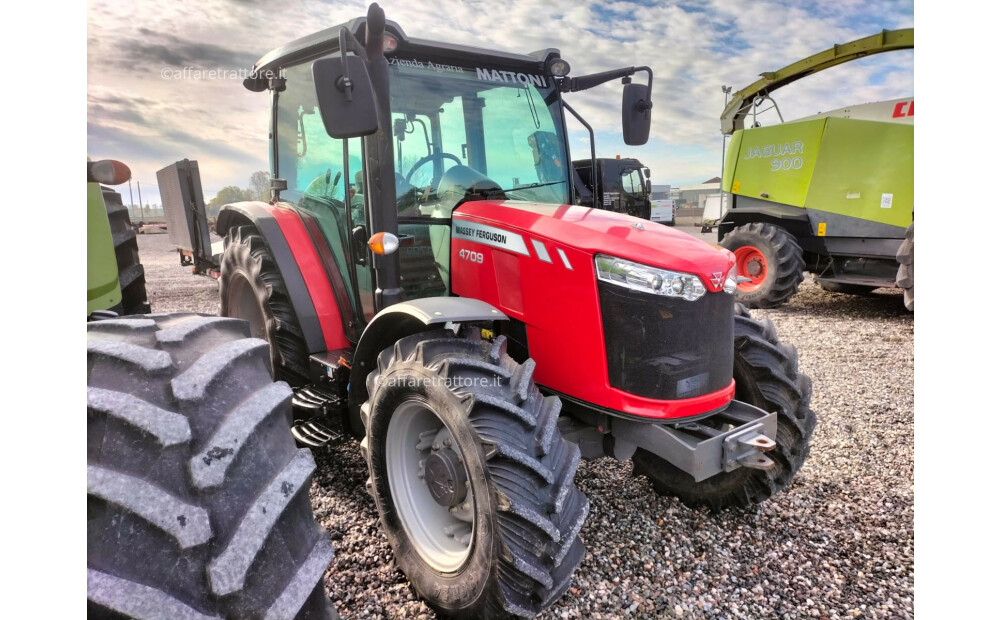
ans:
(401, 320)
(261, 216)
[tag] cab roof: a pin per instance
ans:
(328, 40)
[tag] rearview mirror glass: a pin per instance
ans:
(345, 96)
(636, 114)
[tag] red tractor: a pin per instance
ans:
(428, 285)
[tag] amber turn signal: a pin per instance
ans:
(383, 243)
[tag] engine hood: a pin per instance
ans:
(598, 231)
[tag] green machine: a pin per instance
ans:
(116, 281)
(831, 194)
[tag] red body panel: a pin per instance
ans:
(559, 303)
(315, 276)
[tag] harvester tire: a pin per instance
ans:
(506, 543)
(251, 288)
(904, 276)
(772, 258)
(766, 374)
(197, 498)
(131, 275)
(846, 289)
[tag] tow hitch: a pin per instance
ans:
(738, 436)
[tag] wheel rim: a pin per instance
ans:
(242, 304)
(418, 448)
(750, 263)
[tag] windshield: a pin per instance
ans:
(494, 130)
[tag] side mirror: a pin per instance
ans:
(649, 187)
(345, 95)
(636, 114)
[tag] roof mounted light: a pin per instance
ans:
(557, 67)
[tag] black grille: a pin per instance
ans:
(666, 347)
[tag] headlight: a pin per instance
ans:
(646, 279)
(731, 281)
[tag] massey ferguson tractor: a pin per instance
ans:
(428, 285)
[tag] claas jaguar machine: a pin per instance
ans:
(427, 283)
(831, 194)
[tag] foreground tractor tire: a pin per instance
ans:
(766, 374)
(904, 276)
(197, 499)
(472, 480)
(846, 289)
(251, 288)
(771, 258)
(131, 275)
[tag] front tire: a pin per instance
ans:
(506, 544)
(771, 258)
(767, 377)
(251, 288)
(197, 500)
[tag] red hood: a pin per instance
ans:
(598, 231)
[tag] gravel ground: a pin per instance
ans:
(837, 544)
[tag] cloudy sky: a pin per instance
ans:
(137, 111)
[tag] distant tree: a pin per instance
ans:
(226, 195)
(260, 186)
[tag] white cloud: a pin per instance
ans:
(693, 48)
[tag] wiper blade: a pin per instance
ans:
(531, 186)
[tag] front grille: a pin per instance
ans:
(665, 347)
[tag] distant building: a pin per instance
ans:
(695, 195)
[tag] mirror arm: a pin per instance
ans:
(585, 82)
(348, 41)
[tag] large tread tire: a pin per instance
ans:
(904, 275)
(846, 289)
(248, 262)
(131, 275)
(785, 264)
(197, 498)
(766, 374)
(529, 513)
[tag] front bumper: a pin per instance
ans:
(738, 436)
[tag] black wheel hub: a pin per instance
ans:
(445, 477)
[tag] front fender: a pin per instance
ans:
(401, 320)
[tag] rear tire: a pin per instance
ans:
(767, 377)
(904, 276)
(772, 258)
(251, 288)
(523, 514)
(197, 499)
(131, 275)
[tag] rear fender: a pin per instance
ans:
(302, 271)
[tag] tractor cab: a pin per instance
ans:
(461, 127)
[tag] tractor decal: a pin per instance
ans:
(489, 235)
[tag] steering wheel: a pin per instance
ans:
(428, 158)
